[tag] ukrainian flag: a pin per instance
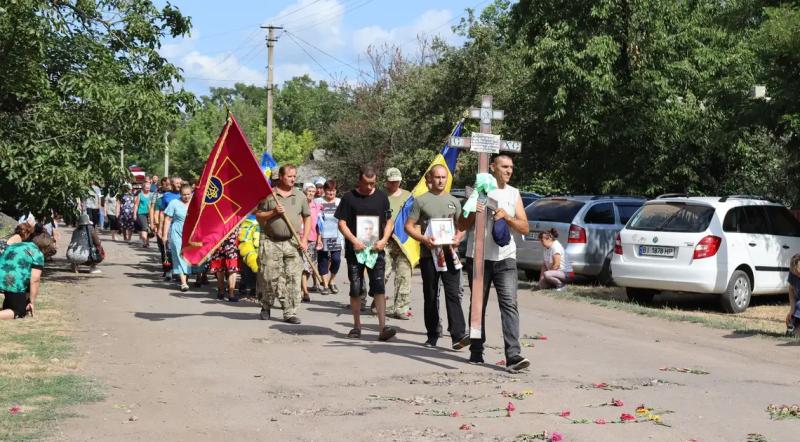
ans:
(447, 158)
(268, 164)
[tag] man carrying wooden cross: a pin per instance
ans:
(500, 261)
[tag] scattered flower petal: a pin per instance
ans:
(501, 362)
(511, 407)
(465, 427)
(627, 417)
(564, 413)
(556, 437)
(600, 385)
(600, 421)
(616, 402)
(15, 409)
(456, 414)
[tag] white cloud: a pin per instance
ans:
(213, 69)
(431, 23)
(318, 22)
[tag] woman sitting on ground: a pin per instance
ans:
(85, 247)
(20, 271)
(21, 233)
(555, 266)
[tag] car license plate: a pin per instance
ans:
(664, 252)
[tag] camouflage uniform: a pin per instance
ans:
(397, 264)
(280, 264)
(282, 274)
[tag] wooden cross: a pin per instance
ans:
(484, 143)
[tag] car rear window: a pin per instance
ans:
(672, 217)
(782, 223)
(561, 211)
(626, 211)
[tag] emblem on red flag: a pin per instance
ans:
(230, 187)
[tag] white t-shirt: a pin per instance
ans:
(557, 249)
(506, 198)
(111, 205)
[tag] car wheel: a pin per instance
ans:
(737, 295)
(531, 275)
(605, 278)
(640, 296)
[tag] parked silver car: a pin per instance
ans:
(586, 226)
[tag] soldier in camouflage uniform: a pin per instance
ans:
(397, 263)
(280, 262)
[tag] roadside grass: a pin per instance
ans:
(765, 316)
(38, 377)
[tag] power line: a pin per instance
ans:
(312, 57)
(218, 34)
(346, 11)
(427, 31)
(324, 13)
(296, 10)
(355, 68)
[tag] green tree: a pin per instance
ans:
(304, 104)
(79, 82)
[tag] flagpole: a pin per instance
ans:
(317, 277)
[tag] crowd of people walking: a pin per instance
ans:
(295, 234)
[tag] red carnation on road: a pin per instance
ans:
(627, 417)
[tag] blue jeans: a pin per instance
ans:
(504, 276)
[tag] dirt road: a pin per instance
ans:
(188, 367)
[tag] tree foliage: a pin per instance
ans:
(303, 108)
(612, 96)
(79, 82)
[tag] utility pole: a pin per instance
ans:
(166, 154)
(122, 158)
(270, 63)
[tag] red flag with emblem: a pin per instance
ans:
(230, 188)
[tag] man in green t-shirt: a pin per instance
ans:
(279, 258)
(439, 204)
(397, 262)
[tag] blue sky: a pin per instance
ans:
(326, 39)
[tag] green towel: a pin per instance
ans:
(368, 257)
(484, 183)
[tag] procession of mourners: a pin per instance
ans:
(292, 246)
(289, 248)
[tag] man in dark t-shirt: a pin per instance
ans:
(358, 211)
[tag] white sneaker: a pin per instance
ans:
(95, 271)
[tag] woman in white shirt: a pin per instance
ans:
(555, 266)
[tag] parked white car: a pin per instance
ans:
(734, 246)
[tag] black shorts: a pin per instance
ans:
(355, 273)
(17, 302)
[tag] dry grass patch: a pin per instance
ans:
(37, 379)
(765, 316)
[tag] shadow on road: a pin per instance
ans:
(242, 316)
(412, 350)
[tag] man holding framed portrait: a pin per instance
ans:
(363, 216)
(435, 213)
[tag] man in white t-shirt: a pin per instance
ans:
(500, 263)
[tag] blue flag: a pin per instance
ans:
(267, 164)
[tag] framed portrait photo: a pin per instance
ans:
(368, 229)
(443, 230)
